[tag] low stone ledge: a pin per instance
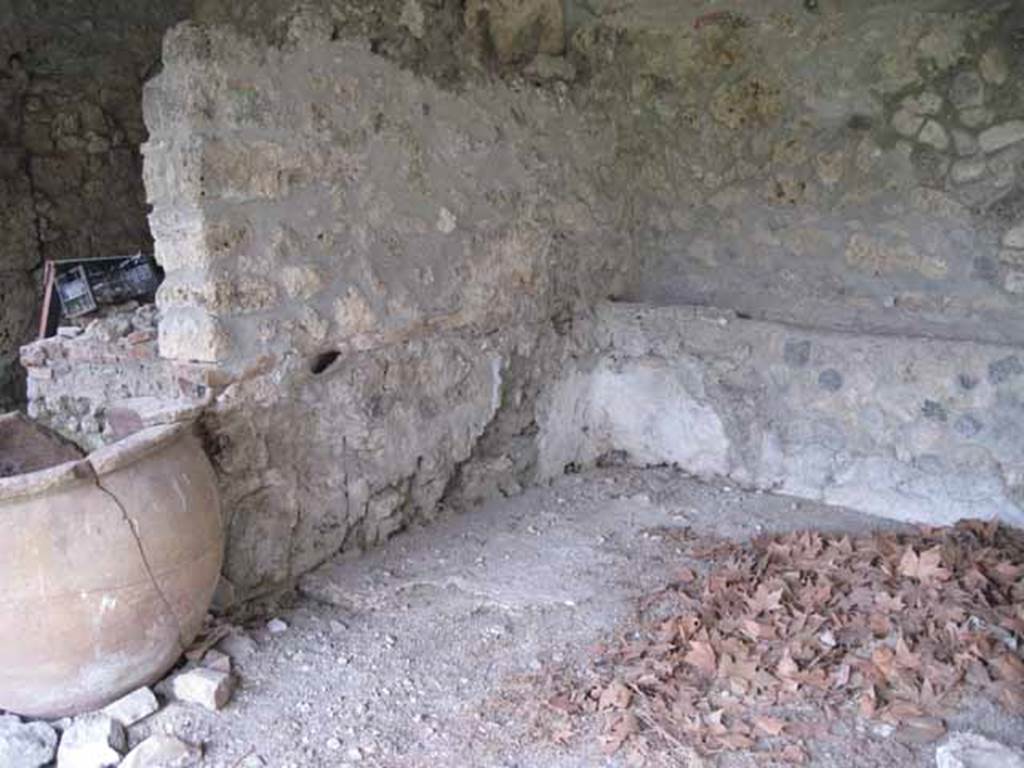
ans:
(915, 429)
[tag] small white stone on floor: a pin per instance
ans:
(26, 745)
(135, 706)
(208, 688)
(163, 752)
(969, 750)
(355, 754)
(92, 741)
(276, 626)
(333, 744)
(214, 659)
(237, 645)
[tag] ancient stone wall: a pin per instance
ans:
(916, 429)
(19, 245)
(847, 165)
(70, 128)
(386, 227)
(369, 265)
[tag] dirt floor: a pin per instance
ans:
(438, 649)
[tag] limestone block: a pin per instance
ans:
(92, 741)
(934, 135)
(354, 315)
(235, 170)
(26, 745)
(993, 66)
(977, 117)
(133, 707)
(518, 30)
(192, 334)
(301, 281)
(999, 136)
(966, 144)
(172, 170)
(163, 751)
(967, 90)
(179, 241)
(926, 103)
(966, 171)
(209, 688)
(906, 123)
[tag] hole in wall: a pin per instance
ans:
(323, 361)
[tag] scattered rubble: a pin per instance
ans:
(209, 688)
(26, 745)
(237, 645)
(276, 627)
(134, 707)
(217, 660)
(93, 741)
(99, 739)
(163, 752)
(104, 380)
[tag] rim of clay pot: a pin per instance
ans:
(44, 480)
(135, 447)
(100, 462)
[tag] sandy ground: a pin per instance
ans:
(427, 652)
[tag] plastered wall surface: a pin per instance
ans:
(910, 428)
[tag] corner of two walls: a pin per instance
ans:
(852, 170)
(382, 276)
(367, 267)
(911, 428)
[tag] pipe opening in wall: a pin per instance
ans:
(323, 361)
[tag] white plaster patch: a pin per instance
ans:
(446, 221)
(412, 18)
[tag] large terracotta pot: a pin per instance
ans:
(107, 568)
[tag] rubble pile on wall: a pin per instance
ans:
(99, 381)
(71, 124)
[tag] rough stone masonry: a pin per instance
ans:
(71, 125)
(428, 252)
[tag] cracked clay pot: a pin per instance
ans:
(108, 564)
